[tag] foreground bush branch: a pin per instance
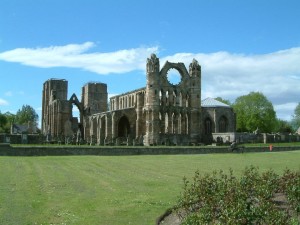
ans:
(254, 198)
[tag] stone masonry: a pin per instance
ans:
(161, 113)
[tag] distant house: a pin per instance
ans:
(29, 128)
(217, 117)
(298, 131)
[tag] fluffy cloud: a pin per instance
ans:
(229, 76)
(3, 102)
(76, 56)
(224, 74)
(8, 93)
(285, 111)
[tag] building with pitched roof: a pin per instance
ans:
(217, 117)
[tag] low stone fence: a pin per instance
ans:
(229, 137)
(21, 138)
(7, 150)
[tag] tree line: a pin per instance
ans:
(253, 111)
(23, 116)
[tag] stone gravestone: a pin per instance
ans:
(48, 137)
(78, 137)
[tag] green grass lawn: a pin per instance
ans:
(112, 189)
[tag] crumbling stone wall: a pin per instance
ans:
(162, 113)
(172, 110)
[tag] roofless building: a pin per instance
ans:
(162, 113)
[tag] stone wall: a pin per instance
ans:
(254, 138)
(160, 108)
(21, 138)
(7, 150)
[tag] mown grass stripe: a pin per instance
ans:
(111, 189)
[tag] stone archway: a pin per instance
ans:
(123, 127)
(80, 124)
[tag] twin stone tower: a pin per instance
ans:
(161, 113)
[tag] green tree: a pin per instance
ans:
(296, 117)
(10, 117)
(284, 126)
(254, 111)
(223, 100)
(3, 122)
(25, 115)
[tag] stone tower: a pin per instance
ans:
(55, 109)
(151, 108)
(195, 102)
(94, 98)
(93, 101)
(172, 111)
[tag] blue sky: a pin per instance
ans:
(242, 46)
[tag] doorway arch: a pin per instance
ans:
(123, 127)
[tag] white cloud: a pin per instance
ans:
(285, 111)
(8, 93)
(229, 76)
(224, 74)
(75, 56)
(3, 102)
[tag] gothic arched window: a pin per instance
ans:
(223, 124)
(208, 126)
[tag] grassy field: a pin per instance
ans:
(110, 190)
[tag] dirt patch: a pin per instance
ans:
(169, 218)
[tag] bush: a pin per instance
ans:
(220, 198)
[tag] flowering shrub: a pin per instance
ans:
(254, 198)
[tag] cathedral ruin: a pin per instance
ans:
(161, 113)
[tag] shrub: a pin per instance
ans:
(220, 198)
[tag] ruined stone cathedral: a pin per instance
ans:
(161, 113)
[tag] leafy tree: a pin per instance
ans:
(223, 100)
(26, 114)
(3, 122)
(296, 117)
(284, 126)
(3, 119)
(255, 111)
(10, 117)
